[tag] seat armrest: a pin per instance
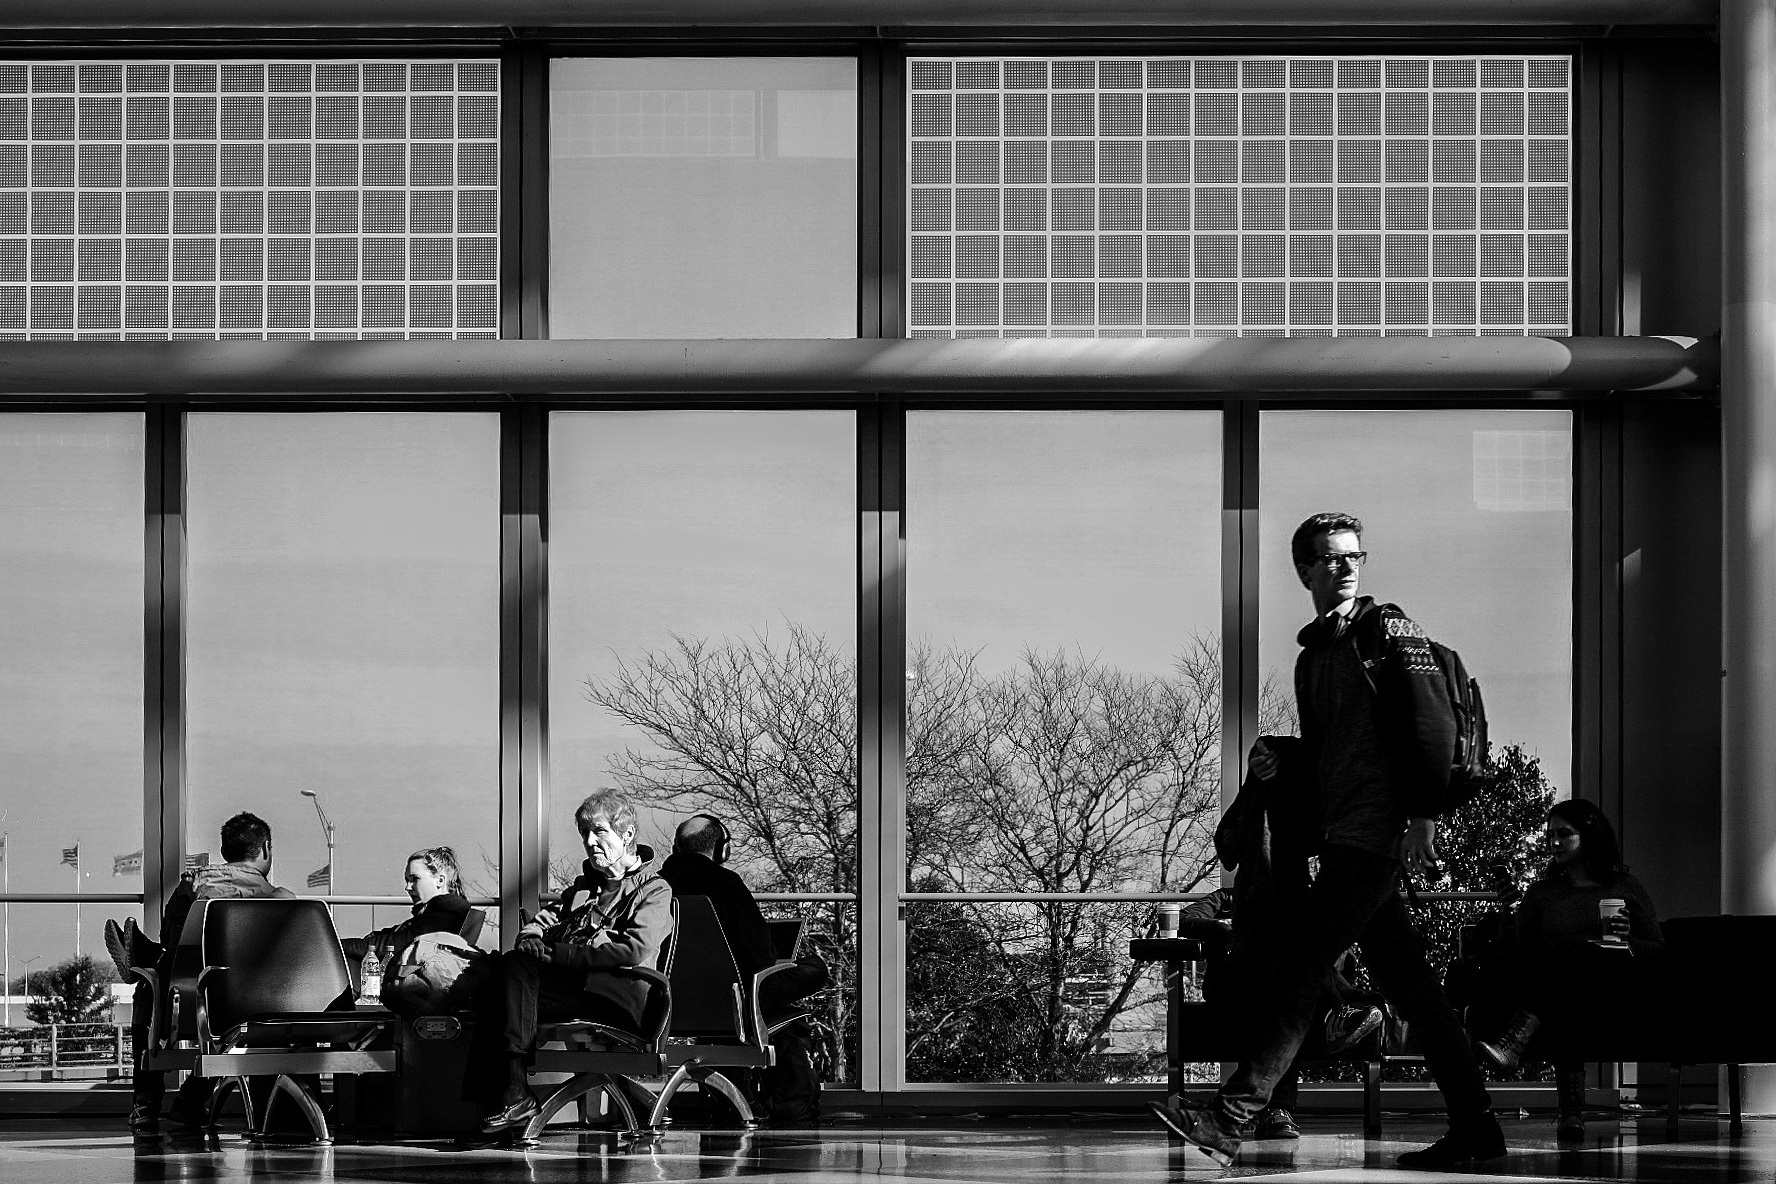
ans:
(206, 978)
(761, 1030)
(158, 1032)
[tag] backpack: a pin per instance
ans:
(1467, 766)
(429, 968)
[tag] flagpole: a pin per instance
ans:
(77, 900)
(326, 830)
(5, 931)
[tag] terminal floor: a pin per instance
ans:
(1115, 1149)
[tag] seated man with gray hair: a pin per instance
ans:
(617, 913)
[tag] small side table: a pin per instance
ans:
(1174, 952)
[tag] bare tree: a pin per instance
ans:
(1061, 774)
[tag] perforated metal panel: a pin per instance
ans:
(249, 199)
(1239, 196)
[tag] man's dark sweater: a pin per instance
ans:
(748, 935)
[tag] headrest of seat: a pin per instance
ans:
(282, 956)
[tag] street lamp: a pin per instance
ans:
(24, 982)
(327, 832)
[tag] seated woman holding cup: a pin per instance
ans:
(1576, 942)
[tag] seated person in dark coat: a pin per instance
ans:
(696, 867)
(618, 913)
(434, 884)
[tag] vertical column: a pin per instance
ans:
(1240, 676)
(524, 676)
(1748, 421)
(881, 709)
(163, 665)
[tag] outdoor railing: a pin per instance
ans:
(64, 1051)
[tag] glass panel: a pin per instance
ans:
(47, 982)
(1064, 680)
(343, 640)
(71, 580)
(703, 197)
(702, 637)
(1468, 522)
(1220, 197)
(249, 199)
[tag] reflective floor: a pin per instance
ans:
(1030, 1150)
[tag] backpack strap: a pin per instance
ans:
(1369, 636)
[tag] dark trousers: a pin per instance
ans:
(1579, 992)
(1355, 900)
(512, 993)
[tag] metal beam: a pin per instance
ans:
(748, 370)
(861, 15)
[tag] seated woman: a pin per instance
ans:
(434, 884)
(617, 913)
(1557, 972)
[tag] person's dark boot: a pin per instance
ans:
(1470, 1140)
(1505, 1051)
(1569, 1087)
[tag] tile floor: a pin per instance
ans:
(1121, 1148)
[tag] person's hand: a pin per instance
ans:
(535, 946)
(1618, 926)
(1262, 761)
(1419, 853)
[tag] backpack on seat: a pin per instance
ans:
(429, 968)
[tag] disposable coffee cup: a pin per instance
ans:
(1167, 917)
(1608, 909)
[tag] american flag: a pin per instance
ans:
(127, 865)
(71, 855)
(196, 860)
(321, 878)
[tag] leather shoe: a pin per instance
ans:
(1473, 1141)
(515, 1114)
(1274, 1122)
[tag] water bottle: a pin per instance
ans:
(370, 978)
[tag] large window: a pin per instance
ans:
(702, 637)
(343, 641)
(249, 199)
(1173, 197)
(70, 682)
(1063, 727)
(1468, 518)
(703, 197)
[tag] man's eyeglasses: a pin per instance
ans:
(1333, 560)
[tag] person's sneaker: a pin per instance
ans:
(117, 945)
(1205, 1128)
(1347, 1026)
(1571, 1127)
(1274, 1122)
(1471, 1142)
(144, 1118)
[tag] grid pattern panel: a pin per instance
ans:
(1521, 471)
(249, 200)
(1173, 197)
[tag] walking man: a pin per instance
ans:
(1378, 737)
